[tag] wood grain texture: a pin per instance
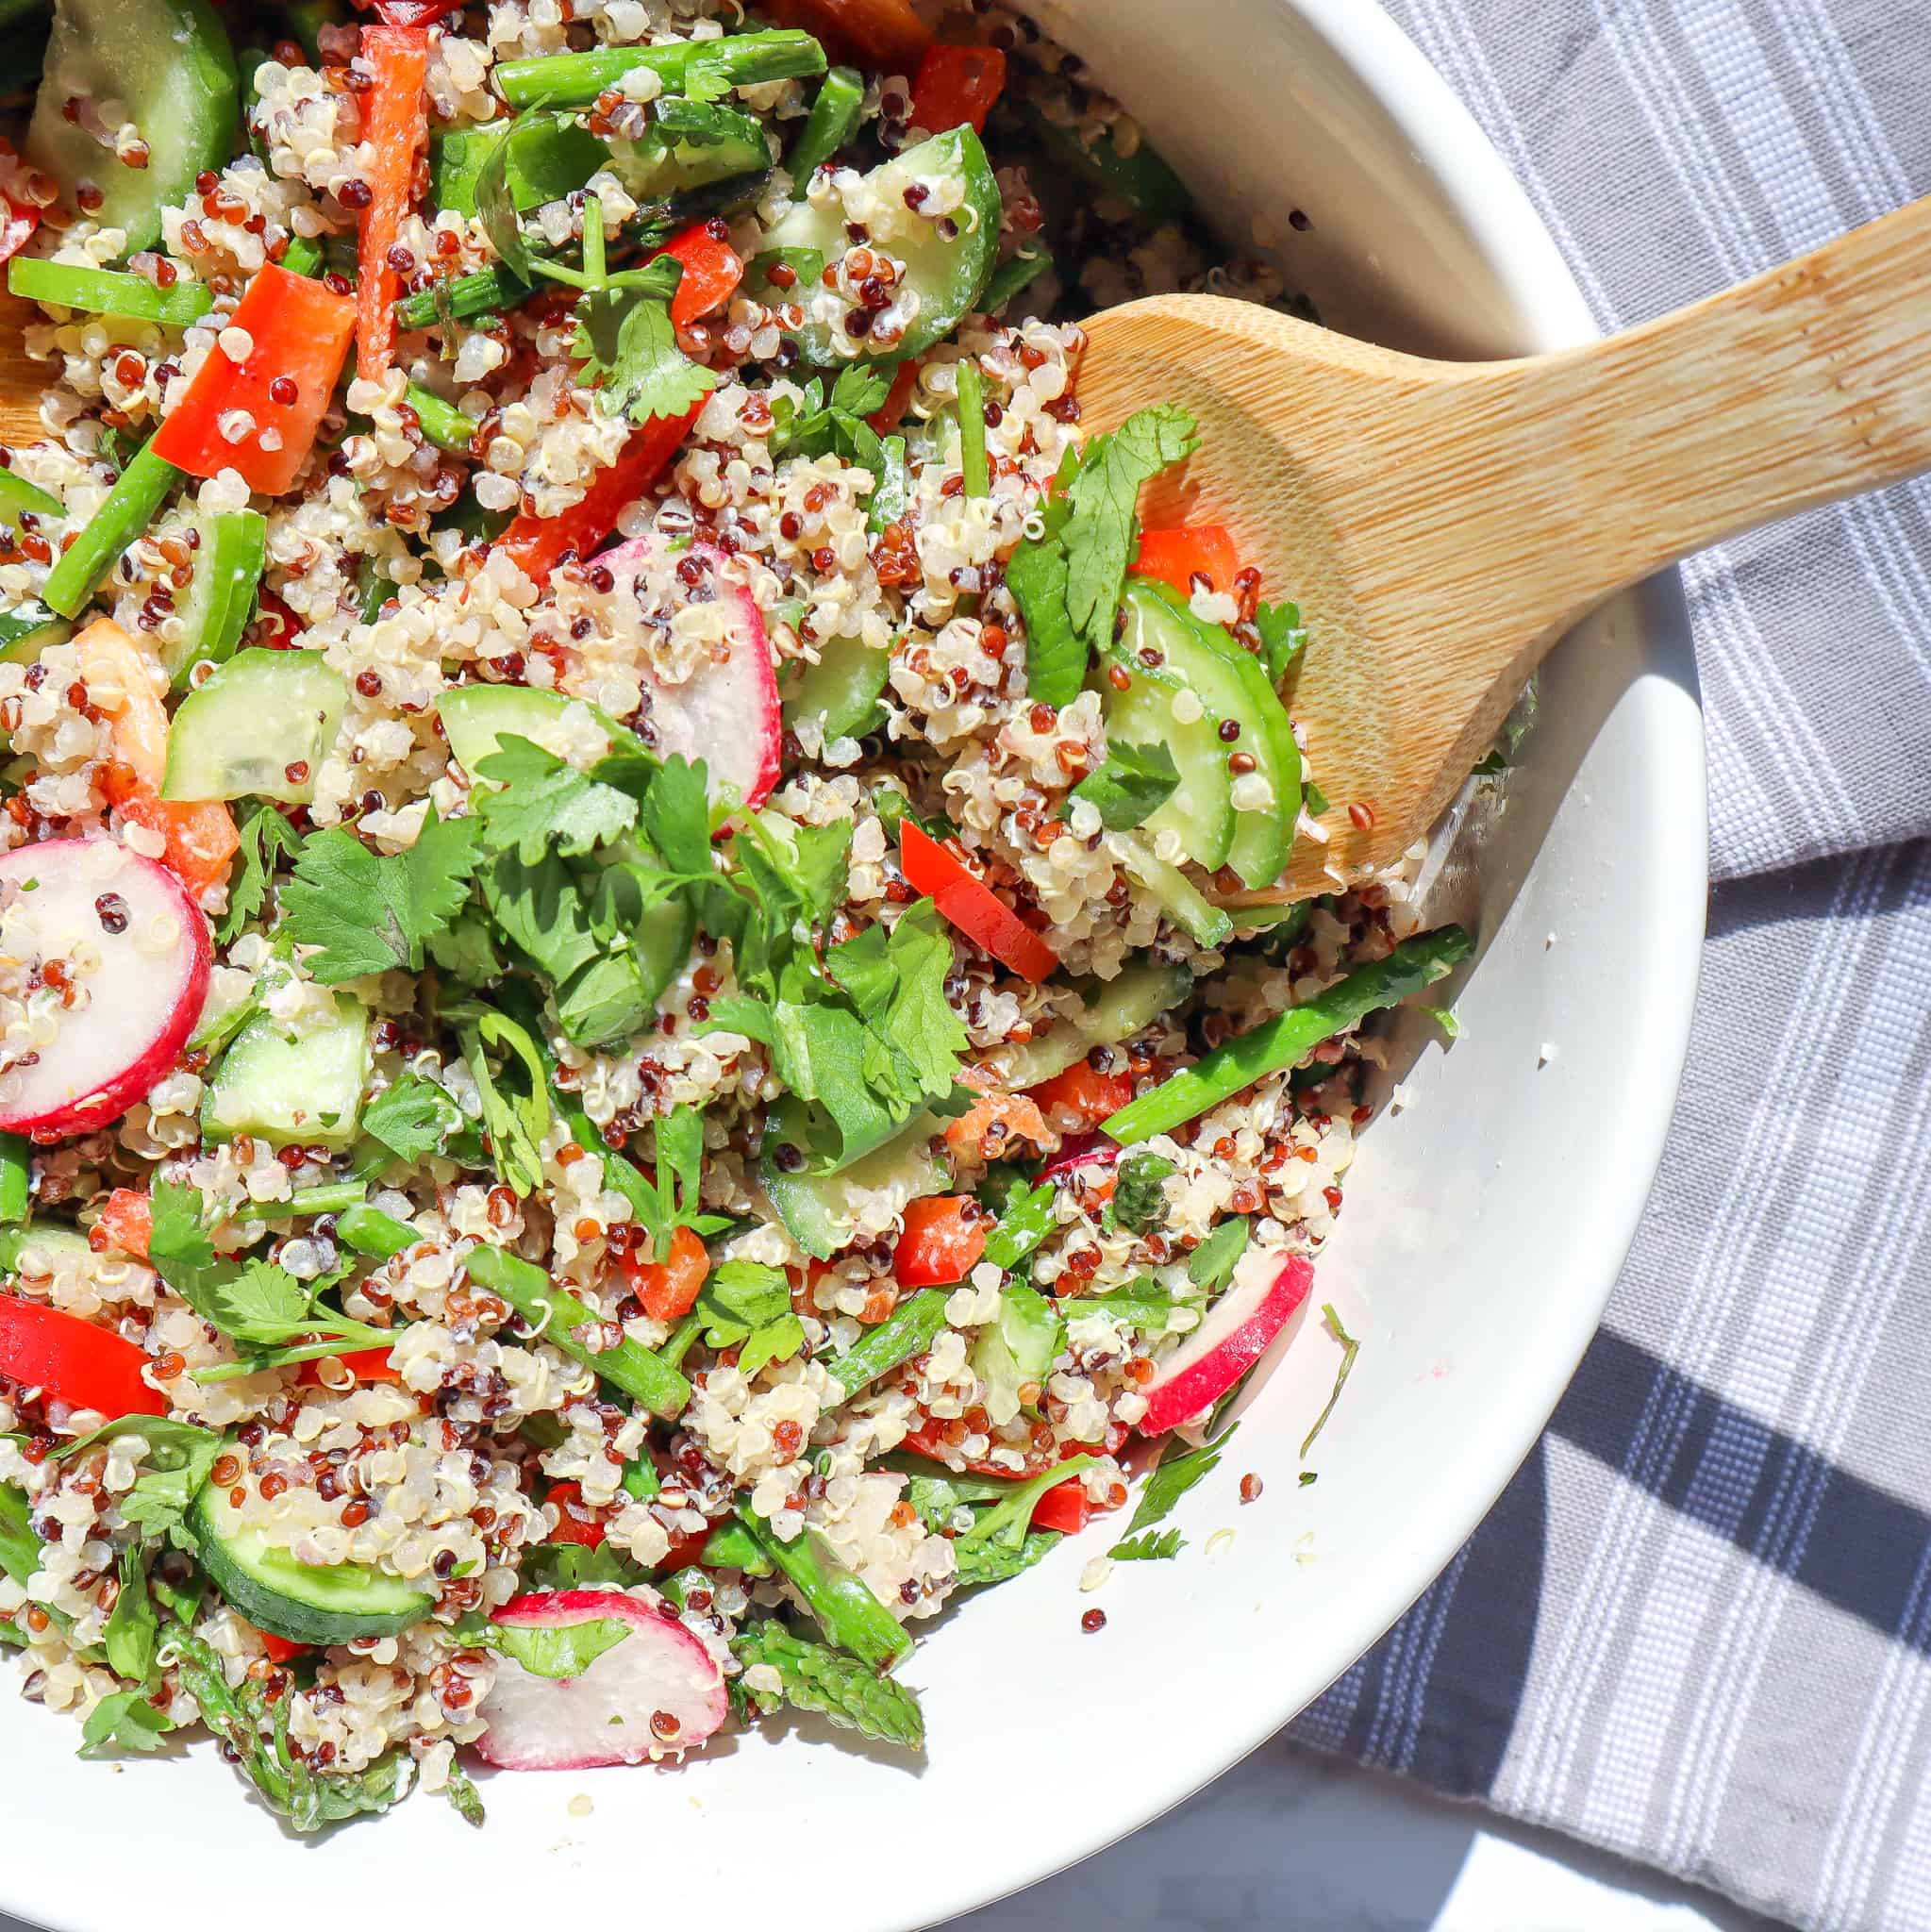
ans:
(1442, 524)
(22, 382)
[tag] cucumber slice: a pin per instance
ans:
(812, 1206)
(302, 1602)
(946, 275)
(654, 167)
(302, 1092)
(1203, 922)
(1115, 1010)
(1141, 179)
(48, 1241)
(168, 64)
(477, 717)
(1016, 1349)
(26, 632)
(1202, 808)
(840, 690)
(18, 494)
(229, 557)
(258, 728)
(1262, 837)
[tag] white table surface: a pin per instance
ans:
(1289, 1840)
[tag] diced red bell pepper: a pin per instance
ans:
(537, 544)
(971, 906)
(898, 399)
(956, 87)
(128, 1221)
(1175, 556)
(944, 1236)
(395, 124)
(415, 12)
(201, 838)
(1064, 1507)
(280, 1649)
(89, 1367)
(684, 1551)
(17, 227)
(712, 270)
(364, 1364)
(273, 626)
(1081, 1097)
(885, 34)
(669, 1288)
(585, 1532)
(300, 331)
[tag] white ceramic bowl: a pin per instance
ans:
(1484, 1227)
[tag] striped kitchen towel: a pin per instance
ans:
(1724, 1666)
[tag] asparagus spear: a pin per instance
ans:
(844, 1607)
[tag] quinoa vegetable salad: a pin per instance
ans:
(642, 1037)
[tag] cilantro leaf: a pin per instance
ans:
(1350, 1349)
(466, 950)
(370, 913)
(264, 1303)
(1056, 654)
(1283, 638)
(995, 1562)
(132, 1628)
(1103, 499)
(412, 1117)
(177, 1243)
(158, 1504)
(564, 1650)
(861, 388)
(629, 348)
(775, 1342)
(813, 1676)
(1139, 1195)
(1174, 1476)
(495, 199)
(1132, 785)
(541, 910)
(1211, 1264)
(1150, 1546)
(515, 1122)
(739, 1296)
(127, 1719)
(898, 986)
(1002, 1526)
(542, 805)
(265, 835)
(675, 815)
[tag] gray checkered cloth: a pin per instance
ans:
(1727, 1668)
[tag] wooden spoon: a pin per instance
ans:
(20, 382)
(1442, 524)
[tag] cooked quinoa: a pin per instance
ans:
(614, 1010)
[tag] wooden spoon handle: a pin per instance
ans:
(1809, 383)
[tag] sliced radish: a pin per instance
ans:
(656, 1691)
(124, 934)
(726, 712)
(1089, 1154)
(1234, 1335)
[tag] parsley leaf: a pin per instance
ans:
(1174, 1476)
(1139, 1195)
(1056, 654)
(1212, 1263)
(132, 1629)
(745, 1303)
(837, 426)
(370, 913)
(1150, 1546)
(127, 1719)
(1350, 1349)
(1103, 498)
(1132, 785)
(898, 986)
(629, 347)
(266, 836)
(542, 805)
(412, 1117)
(1283, 638)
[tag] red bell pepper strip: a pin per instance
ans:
(128, 1221)
(273, 626)
(970, 905)
(1081, 1097)
(956, 87)
(886, 34)
(712, 270)
(280, 1649)
(537, 544)
(16, 229)
(415, 12)
(898, 399)
(1063, 1508)
(364, 1364)
(300, 333)
(395, 122)
(1176, 556)
(669, 1288)
(573, 1526)
(944, 1237)
(89, 1367)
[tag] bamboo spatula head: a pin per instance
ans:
(1442, 523)
(22, 382)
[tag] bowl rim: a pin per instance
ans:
(1505, 228)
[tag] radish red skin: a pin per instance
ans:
(1235, 1335)
(602, 1717)
(172, 986)
(727, 714)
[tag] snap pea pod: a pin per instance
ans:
(908, 1330)
(129, 508)
(305, 256)
(107, 292)
(574, 80)
(843, 1604)
(833, 121)
(441, 422)
(1289, 1037)
(558, 1314)
(16, 1177)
